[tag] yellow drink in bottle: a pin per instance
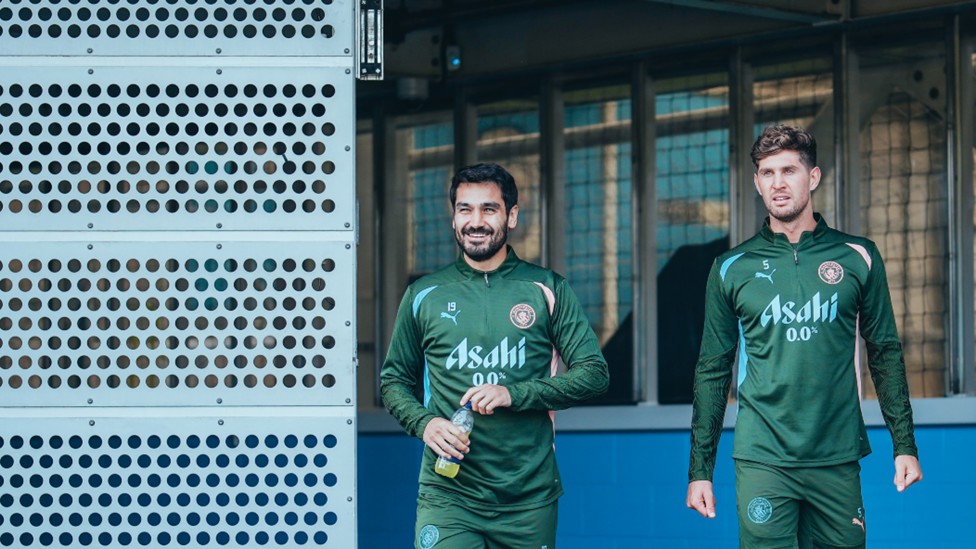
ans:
(463, 418)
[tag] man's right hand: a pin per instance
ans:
(701, 498)
(446, 439)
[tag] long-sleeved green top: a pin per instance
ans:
(459, 327)
(791, 314)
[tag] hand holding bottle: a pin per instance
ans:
(462, 423)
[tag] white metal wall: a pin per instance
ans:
(177, 273)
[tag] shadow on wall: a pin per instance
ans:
(680, 317)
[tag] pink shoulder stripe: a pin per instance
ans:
(554, 361)
(550, 297)
(863, 251)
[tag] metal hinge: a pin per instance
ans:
(369, 32)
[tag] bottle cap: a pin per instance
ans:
(467, 405)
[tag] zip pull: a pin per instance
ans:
(796, 260)
(487, 284)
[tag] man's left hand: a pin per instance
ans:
(907, 471)
(485, 398)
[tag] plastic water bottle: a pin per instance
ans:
(464, 418)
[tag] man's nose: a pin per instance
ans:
(477, 218)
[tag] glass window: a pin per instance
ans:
(598, 244)
(801, 94)
(692, 187)
(903, 201)
(508, 134)
(429, 149)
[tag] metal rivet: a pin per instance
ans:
(90, 225)
(220, 225)
(349, 401)
(218, 50)
(220, 401)
(91, 50)
(220, 246)
(91, 422)
(220, 71)
(348, 246)
(347, 50)
(90, 246)
(348, 148)
(91, 71)
(347, 225)
(220, 422)
(348, 421)
(348, 323)
(349, 498)
(348, 71)
(90, 401)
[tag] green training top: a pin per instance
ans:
(459, 327)
(793, 312)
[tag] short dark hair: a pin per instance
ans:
(487, 172)
(775, 139)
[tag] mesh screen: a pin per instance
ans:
(904, 210)
(191, 27)
(176, 482)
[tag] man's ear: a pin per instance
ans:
(513, 217)
(815, 176)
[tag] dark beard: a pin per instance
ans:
(495, 243)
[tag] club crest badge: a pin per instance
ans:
(831, 272)
(760, 510)
(522, 316)
(429, 535)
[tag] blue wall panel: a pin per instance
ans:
(627, 489)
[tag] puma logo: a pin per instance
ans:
(452, 317)
(766, 276)
(857, 522)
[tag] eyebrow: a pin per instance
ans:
(483, 205)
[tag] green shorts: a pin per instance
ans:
(444, 524)
(805, 507)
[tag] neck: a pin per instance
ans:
(489, 264)
(795, 228)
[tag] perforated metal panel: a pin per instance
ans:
(177, 273)
(164, 148)
(176, 482)
(177, 27)
(176, 323)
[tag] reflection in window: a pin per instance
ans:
(802, 99)
(904, 210)
(430, 240)
(598, 247)
(508, 134)
(692, 224)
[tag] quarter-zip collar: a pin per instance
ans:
(807, 238)
(511, 261)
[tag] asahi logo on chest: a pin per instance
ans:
(503, 355)
(789, 312)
